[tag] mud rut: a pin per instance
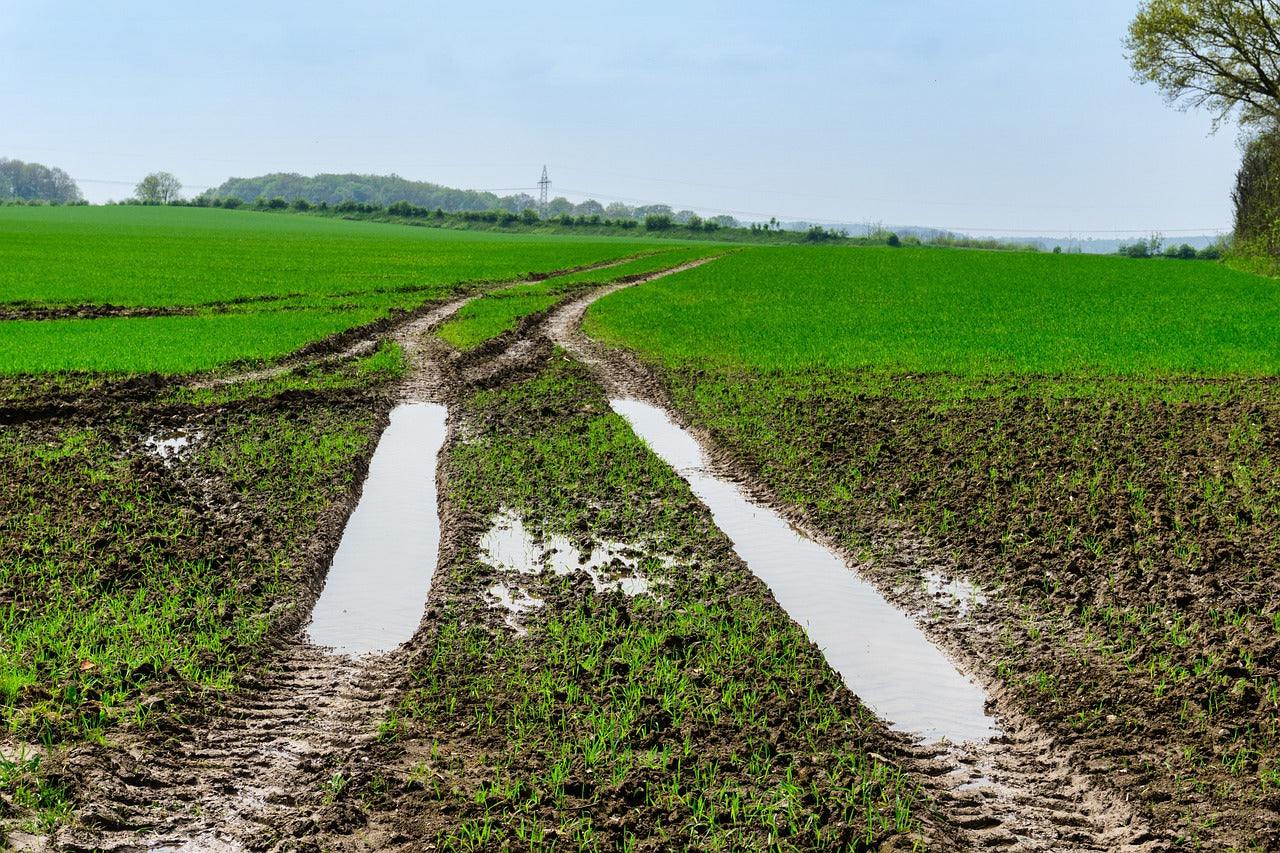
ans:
(262, 775)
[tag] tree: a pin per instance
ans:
(158, 188)
(1256, 196)
(1218, 54)
(33, 181)
(654, 209)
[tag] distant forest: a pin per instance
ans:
(386, 190)
(34, 182)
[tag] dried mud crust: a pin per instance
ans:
(1122, 537)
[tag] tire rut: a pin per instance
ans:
(262, 774)
(264, 771)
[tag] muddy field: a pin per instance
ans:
(647, 693)
(1125, 534)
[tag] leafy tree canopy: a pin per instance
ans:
(382, 190)
(158, 188)
(33, 181)
(1217, 54)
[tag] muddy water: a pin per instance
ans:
(381, 573)
(877, 650)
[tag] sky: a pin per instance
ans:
(996, 117)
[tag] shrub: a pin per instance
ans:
(404, 208)
(1180, 253)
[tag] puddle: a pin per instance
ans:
(960, 593)
(509, 546)
(380, 576)
(507, 600)
(173, 444)
(877, 650)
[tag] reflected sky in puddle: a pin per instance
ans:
(380, 576)
(959, 593)
(171, 445)
(509, 546)
(878, 651)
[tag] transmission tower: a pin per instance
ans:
(543, 185)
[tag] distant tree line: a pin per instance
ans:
(35, 182)
(404, 209)
(676, 225)
(334, 189)
(1151, 247)
(382, 191)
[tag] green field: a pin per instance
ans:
(254, 286)
(958, 311)
(500, 310)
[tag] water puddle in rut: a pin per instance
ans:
(381, 574)
(511, 548)
(877, 650)
(172, 445)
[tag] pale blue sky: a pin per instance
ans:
(991, 117)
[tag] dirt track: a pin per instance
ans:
(293, 761)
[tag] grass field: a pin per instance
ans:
(500, 310)
(958, 311)
(251, 286)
